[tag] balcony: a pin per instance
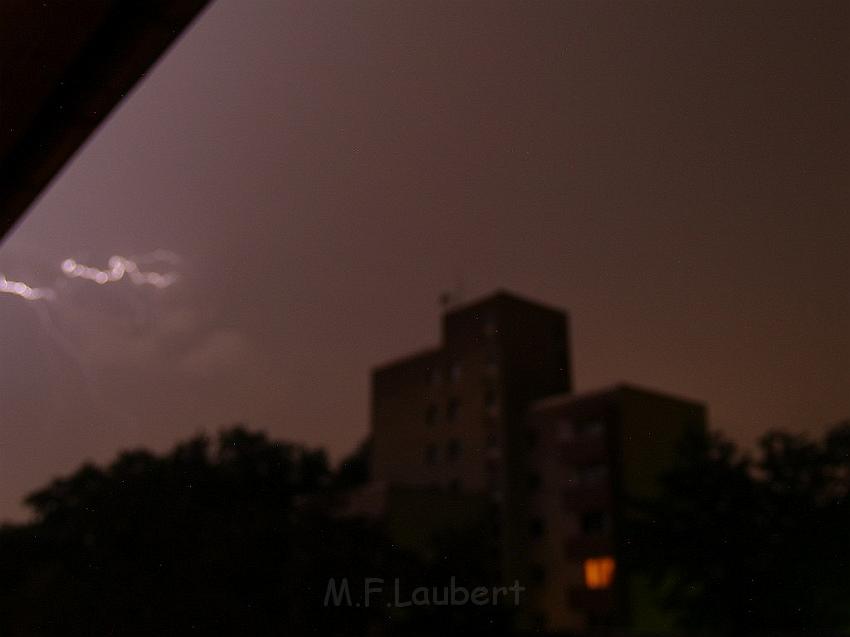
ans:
(587, 496)
(597, 602)
(579, 547)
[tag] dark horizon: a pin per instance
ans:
(674, 177)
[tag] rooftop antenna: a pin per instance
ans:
(446, 299)
(455, 296)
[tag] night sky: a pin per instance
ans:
(675, 176)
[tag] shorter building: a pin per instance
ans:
(590, 454)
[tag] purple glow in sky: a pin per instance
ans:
(674, 175)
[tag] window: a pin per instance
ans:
(496, 527)
(536, 528)
(594, 474)
(434, 377)
(491, 401)
(539, 622)
(491, 363)
(537, 573)
(492, 470)
(454, 372)
(599, 572)
(431, 413)
(565, 429)
(559, 339)
(571, 525)
(491, 327)
(431, 454)
(594, 522)
(451, 409)
(453, 450)
(593, 428)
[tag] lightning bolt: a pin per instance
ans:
(119, 267)
(18, 288)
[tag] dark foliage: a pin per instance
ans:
(354, 470)
(752, 545)
(233, 537)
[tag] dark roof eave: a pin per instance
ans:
(120, 50)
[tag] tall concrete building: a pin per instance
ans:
(490, 415)
(452, 416)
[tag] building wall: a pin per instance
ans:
(593, 451)
(452, 417)
(401, 395)
(653, 425)
(488, 413)
(574, 443)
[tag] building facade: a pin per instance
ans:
(452, 417)
(593, 453)
(490, 414)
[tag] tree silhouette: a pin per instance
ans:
(236, 536)
(751, 545)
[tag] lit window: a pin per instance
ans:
(599, 572)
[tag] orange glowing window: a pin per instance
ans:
(599, 572)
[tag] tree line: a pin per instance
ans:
(240, 534)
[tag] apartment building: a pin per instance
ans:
(591, 454)
(489, 415)
(452, 417)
